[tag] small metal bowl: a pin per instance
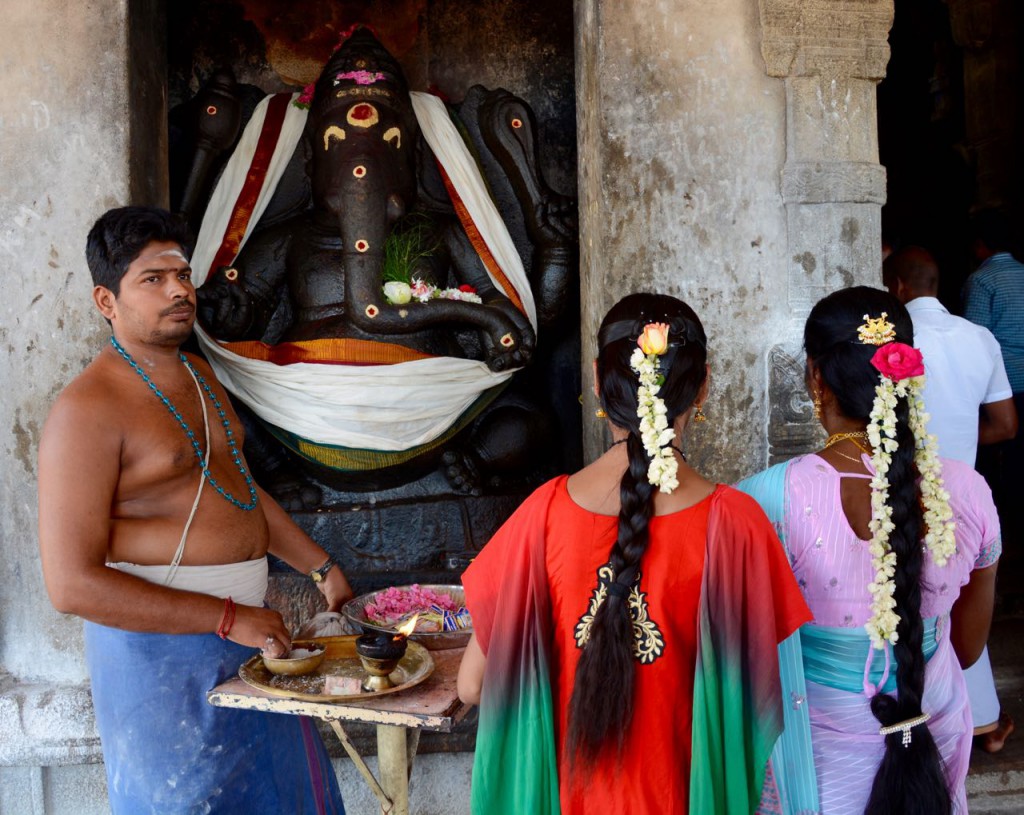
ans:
(297, 666)
(355, 612)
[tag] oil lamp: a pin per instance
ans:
(380, 652)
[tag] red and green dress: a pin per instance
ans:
(714, 597)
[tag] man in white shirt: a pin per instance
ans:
(968, 396)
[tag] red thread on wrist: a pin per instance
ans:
(227, 620)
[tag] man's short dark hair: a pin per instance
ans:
(916, 267)
(118, 237)
(992, 227)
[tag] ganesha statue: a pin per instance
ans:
(361, 295)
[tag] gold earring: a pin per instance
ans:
(600, 413)
(699, 416)
(817, 405)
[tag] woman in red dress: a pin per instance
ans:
(626, 617)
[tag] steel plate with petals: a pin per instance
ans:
(355, 612)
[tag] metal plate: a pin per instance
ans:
(340, 660)
(354, 611)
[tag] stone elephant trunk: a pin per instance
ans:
(367, 208)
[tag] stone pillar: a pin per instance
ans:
(705, 176)
(68, 115)
(831, 55)
(680, 148)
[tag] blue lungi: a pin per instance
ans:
(168, 751)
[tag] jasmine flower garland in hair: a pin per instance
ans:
(901, 370)
(655, 432)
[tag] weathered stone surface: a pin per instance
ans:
(853, 182)
(827, 37)
(792, 428)
(64, 130)
(47, 724)
(831, 246)
(830, 54)
(828, 119)
(683, 137)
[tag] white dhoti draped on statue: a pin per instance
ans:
(380, 407)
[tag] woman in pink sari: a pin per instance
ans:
(894, 550)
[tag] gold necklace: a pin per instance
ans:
(849, 458)
(835, 438)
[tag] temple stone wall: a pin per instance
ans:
(63, 144)
(725, 156)
(64, 133)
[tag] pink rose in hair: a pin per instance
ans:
(897, 361)
(654, 339)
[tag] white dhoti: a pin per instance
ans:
(981, 690)
(245, 582)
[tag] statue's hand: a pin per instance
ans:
(554, 221)
(225, 307)
(509, 340)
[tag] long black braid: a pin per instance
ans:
(602, 698)
(910, 780)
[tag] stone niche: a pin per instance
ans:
(425, 531)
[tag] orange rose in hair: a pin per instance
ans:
(654, 339)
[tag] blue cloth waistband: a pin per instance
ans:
(837, 657)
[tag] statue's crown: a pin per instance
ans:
(361, 67)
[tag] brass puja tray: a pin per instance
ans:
(340, 660)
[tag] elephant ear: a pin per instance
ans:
(430, 187)
(472, 112)
(294, 193)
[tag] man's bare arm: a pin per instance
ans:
(301, 552)
(998, 422)
(79, 466)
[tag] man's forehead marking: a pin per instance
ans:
(149, 260)
(174, 253)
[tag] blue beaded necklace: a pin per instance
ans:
(188, 430)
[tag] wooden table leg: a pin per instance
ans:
(395, 752)
(386, 805)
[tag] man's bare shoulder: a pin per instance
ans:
(90, 402)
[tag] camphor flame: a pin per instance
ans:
(409, 626)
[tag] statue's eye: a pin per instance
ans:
(393, 135)
(333, 132)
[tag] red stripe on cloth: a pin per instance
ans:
(478, 242)
(327, 352)
(243, 209)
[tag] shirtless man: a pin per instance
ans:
(152, 530)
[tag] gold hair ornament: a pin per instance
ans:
(876, 330)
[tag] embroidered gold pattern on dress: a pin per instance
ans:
(648, 642)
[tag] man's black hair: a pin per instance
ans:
(118, 237)
(992, 227)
